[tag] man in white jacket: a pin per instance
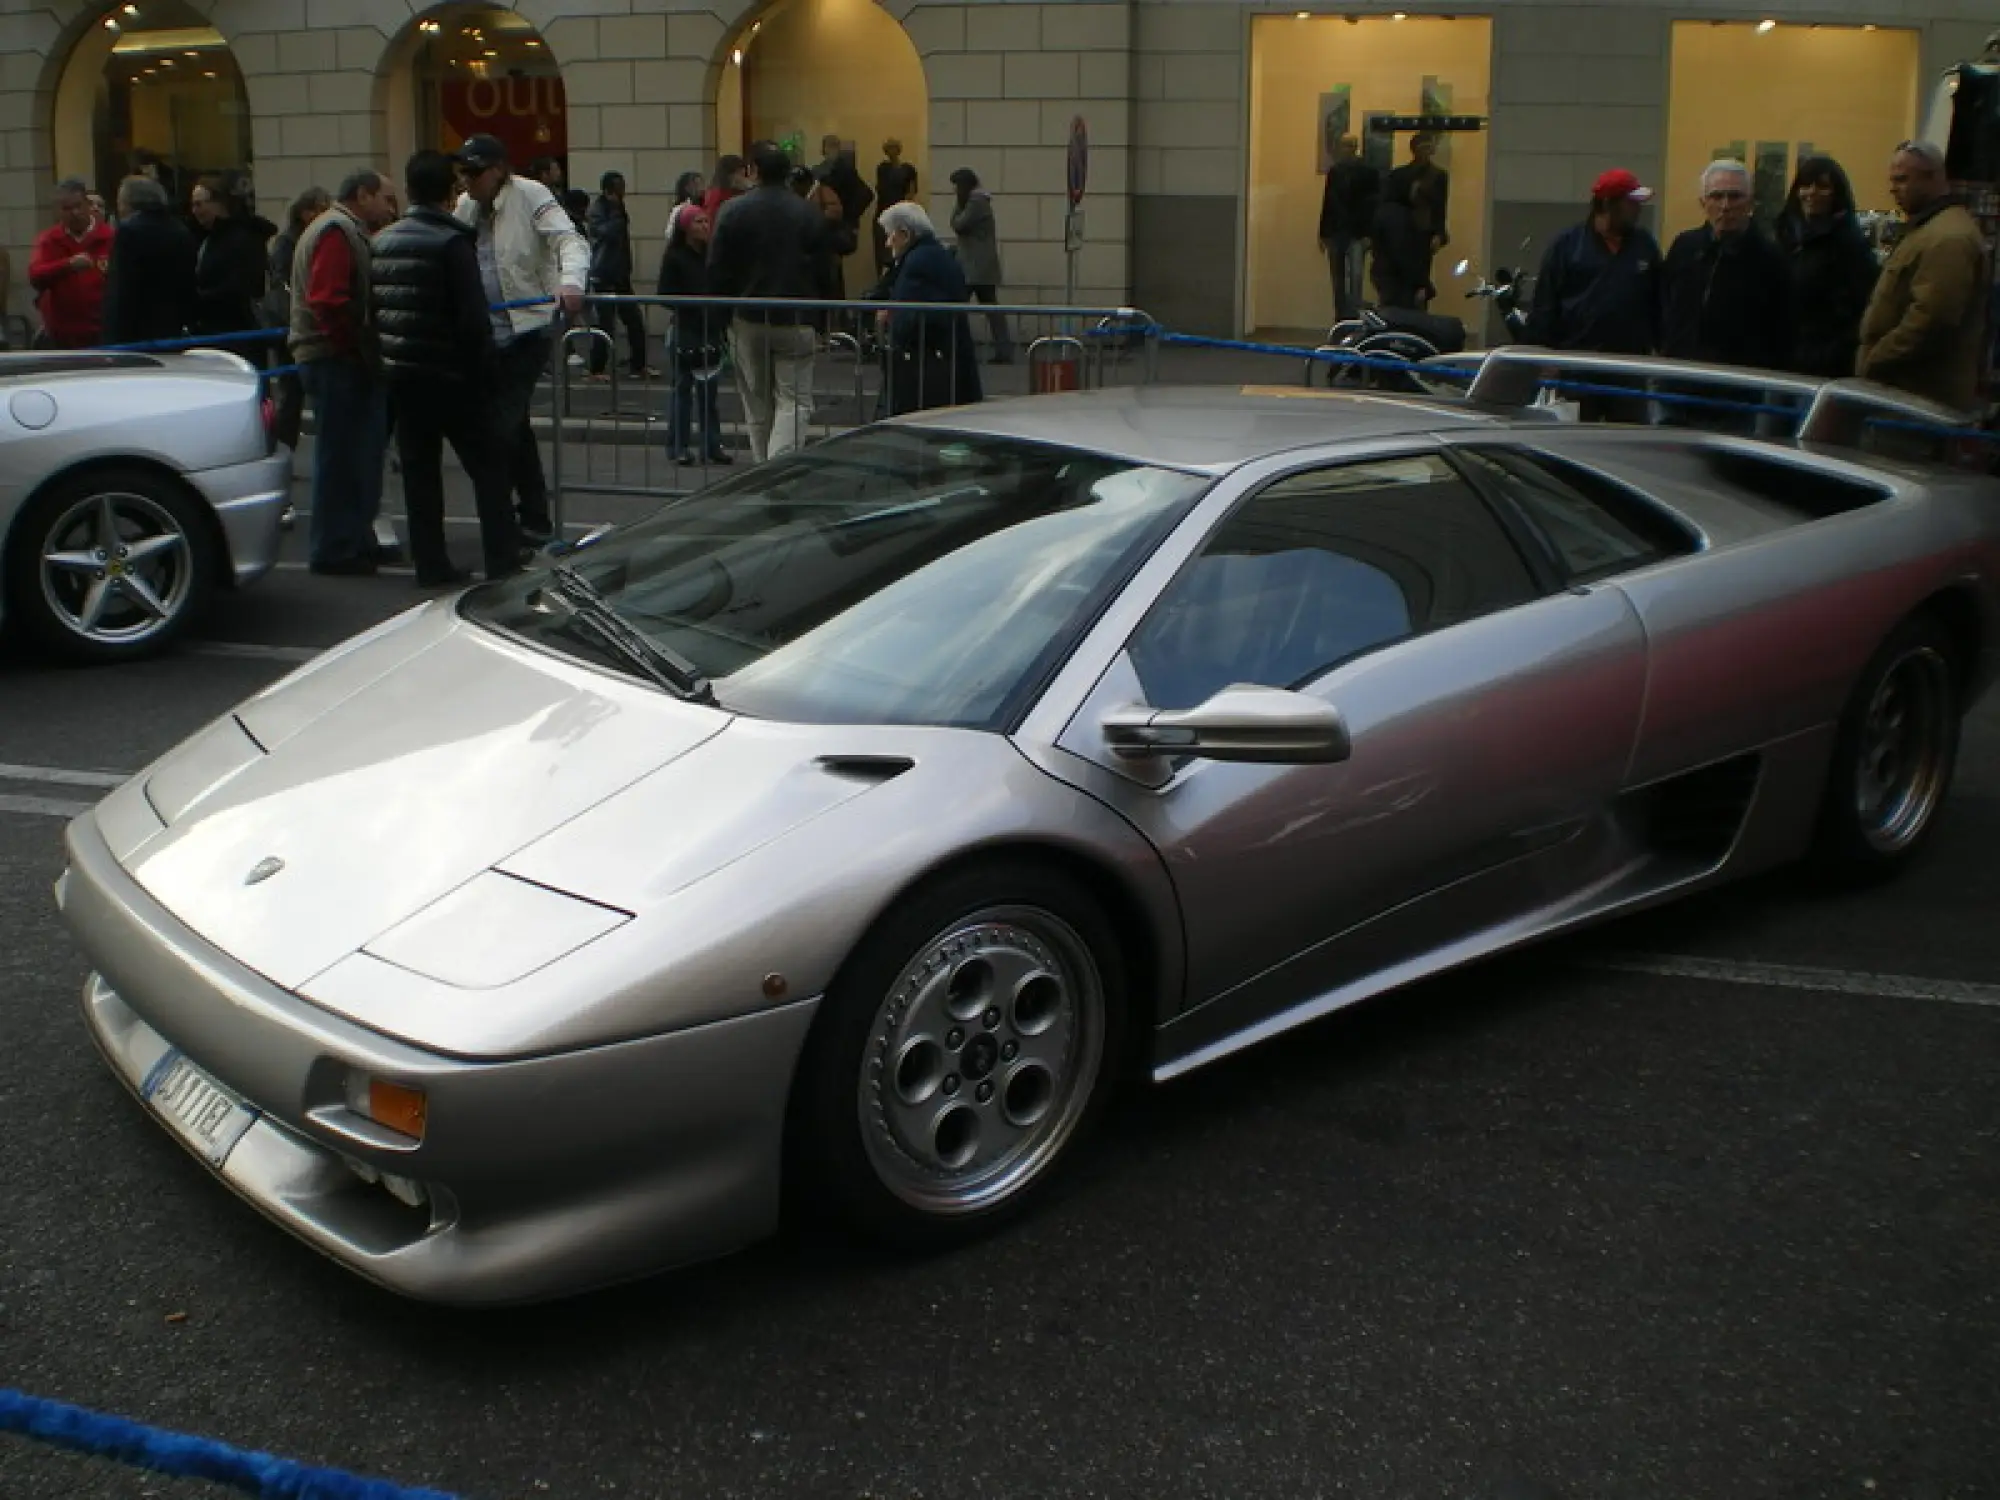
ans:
(529, 249)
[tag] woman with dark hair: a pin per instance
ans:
(731, 180)
(689, 187)
(1833, 267)
(277, 309)
(229, 273)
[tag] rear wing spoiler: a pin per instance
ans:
(1835, 412)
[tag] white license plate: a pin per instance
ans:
(201, 1111)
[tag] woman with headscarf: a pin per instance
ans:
(932, 358)
(696, 342)
(1833, 268)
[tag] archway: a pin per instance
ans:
(800, 70)
(470, 69)
(150, 86)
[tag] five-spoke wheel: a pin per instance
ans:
(109, 565)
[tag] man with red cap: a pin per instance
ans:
(1599, 288)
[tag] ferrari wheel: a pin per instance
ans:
(1893, 757)
(960, 1056)
(108, 566)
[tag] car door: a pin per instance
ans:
(1490, 722)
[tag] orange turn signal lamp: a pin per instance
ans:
(394, 1106)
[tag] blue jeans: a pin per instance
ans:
(690, 394)
(348, 454)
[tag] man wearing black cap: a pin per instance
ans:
(529, 252)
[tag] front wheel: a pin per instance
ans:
(1893, 757)
(109, 565)
(960, 1057)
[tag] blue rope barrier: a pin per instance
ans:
(138, 1446)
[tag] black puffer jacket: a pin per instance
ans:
(430, 308)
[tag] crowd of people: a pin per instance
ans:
(1809, 296)
(432, 324)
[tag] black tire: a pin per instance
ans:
(851, 1121)
(1893, 758)
(145, 509)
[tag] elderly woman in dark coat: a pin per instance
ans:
(932, 359)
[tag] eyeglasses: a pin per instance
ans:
(1726, 195)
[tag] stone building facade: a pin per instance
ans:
(1198, 164)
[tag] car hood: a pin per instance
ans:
(368, 786)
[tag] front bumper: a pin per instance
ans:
(249, 501)
(543, 1176)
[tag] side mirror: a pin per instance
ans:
(1461, 268)
(1241, 723)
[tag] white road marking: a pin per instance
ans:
(57, 776)
(1796, 977)
(254, 651)
(42, 807)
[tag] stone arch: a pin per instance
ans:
(795, 70)
(125, 76)
(471, 66)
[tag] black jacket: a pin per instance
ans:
(610, 229)
(430, 307)
(229, 275)
(1588, 297)
(766, 244)
(1727, 301)
(698, 331)
(1833, 276)
(149, 290)
(1347, 204)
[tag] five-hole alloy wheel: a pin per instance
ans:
(109, 565)
(1893, 756)
(961, 1055)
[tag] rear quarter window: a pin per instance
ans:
(1592, 526)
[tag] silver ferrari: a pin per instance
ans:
(838, 835)
(132, 488)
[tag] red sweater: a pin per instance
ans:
(72, 300)
(330, 290)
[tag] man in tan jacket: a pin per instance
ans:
(1925, 328)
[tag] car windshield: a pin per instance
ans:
(892, 576)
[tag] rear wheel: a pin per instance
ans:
(1893, 757)
(960, 1057)
(109, 565)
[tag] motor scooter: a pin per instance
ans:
(1392, 341)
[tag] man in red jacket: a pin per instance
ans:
(68, 268)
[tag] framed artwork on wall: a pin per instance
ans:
(1336, 114)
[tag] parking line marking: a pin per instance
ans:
(1797, 977)
(255, 651)
(57, 776)
(42, 807)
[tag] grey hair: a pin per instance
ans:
(907, 216)
(135, 193)
(1926, 152)
(72, 185)
(1723, 165)
(355, 183)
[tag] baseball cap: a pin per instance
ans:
(1619, 183)
(480, 152)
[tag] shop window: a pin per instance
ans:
(477, 70)
(1769, 95)
(1313, 78)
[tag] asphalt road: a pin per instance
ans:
(1702, 1206)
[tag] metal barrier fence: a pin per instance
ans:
(735, 384)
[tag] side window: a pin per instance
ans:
(1596, 526)
(1322, 566)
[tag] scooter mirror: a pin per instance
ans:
(1461, 268)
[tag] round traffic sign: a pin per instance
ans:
(1079, 159)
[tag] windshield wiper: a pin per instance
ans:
(584, 604)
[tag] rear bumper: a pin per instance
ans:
(541, 1177)
(249, 501)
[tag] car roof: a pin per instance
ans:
(1208, 428)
